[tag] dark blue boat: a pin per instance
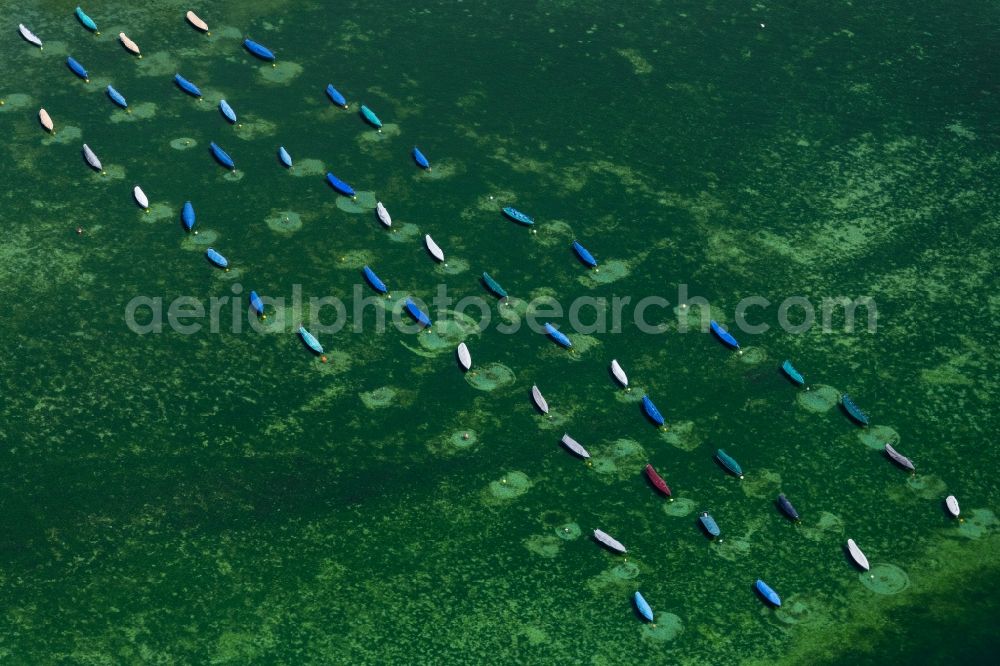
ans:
(853, 410)
(769, 595)
(335, 96)
(227, 111)
(374, 281)
(256, 304)
(787, 508)
(709, 524)
(77, 69)
(419, 158)
(518, 216)
(285, 158)
(117, 97)
(187, 86)
(418, 315)
(643, 607)
(339, 185)
(585, 256)
(724, 335)
(793, 375)
(223, 157)
(187, 216)
(217, 258)
(259, 50)
(558, 336)
(651, 411)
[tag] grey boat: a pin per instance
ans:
(575, 446)
(609, 541)
(899, 458)
(91, 158)
(539, 400)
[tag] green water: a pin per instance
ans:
(230, 498)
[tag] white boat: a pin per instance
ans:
(28, 35)
(609, 541)
(383, 214)
(196, 22)
(433, 248)
(952, 504)
(856, 555)
(129, 44)
(898, 458)
(43, 117)
(464, 357)
(91, 158)
(539, 399)
(575, 446)
(619, 373)
(140, 197)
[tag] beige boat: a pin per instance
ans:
(129, 44)
(197, 22)
(43, 117)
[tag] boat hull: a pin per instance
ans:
(45, 120)
(951, 504)
(857, 556)
(464, 356)
(435, 250)
(222, 157)
(709, 525)
(793, 375)
(216, 258)
(227, 111)
(729, 463)
(494, 286)
(418, 315)
(898, 458)
(29, 36)
(310, 340)
(383, 215)
(643, 607)
(256, 304)
(419, 158)
(129, 45)
(724, 336)
(259, 50)
(787, 508)
(540, 402)
(370, 117)
(651, 411)
(657, 480)
(374, 281)
(87, 22)
(187, 216)
(196, 22)
(769, 595)
(609, 542)
(339, 185)
(518, 216)
(187, 86)
(91, 158)
(117, 97)
(77, 68)
(575, 446)
(140, 197)
(285, 158)
(558, 336)
(335, 96)
(853, 410)
(618, 372)
(584, 255)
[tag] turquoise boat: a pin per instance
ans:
(285, 158)
(222, 156)
(585, 256)
(769, 595)
(117, 97)
(339, 185)
(370, 116)
(374, 281)
(216, 258)
(335, 96)
(518, 216)
(794, 375)
(651, 411)
(77, 69)
(227, 111)
(310, 340)
(187, 216)
(558, 336)
(259, 50)
(644, 610)
(494, 286)
(419, 315)
(87, 22)
(187, 86)
(853, 410)
(256, 304)
(724, 335)
(729, 463)
(419, 158)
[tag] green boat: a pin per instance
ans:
(493, 285)
(370, 116)
(729, 463)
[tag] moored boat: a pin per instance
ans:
(91, 158)
(339, 185)
(518, 216)
(87, 22)
(951, 504)
(259, 50)
(418, 315)
(77, 69)
(585, 256)
(382, 214)
(419, 158)
(117, 97)
(709, 524)
(643, 607)
(187, 216)
(29, 36)
(856, 555)
(335, 96)
(729, 463)
(216, 258)
(619, 373)
(724, 335)
(227, 111)
(187, 86)
(374, 280)
(129, 44)
(193, 19)
(651, 411)
(898, 458)
(371, 118)
(464, 357)
(853, 410)
(433, 248)
(494, 286)
(256, 304)
(609, 541)
(794, 375)
(787, 508)
(769, 595)
(45, 120)
(657, 480)
(222, 156)
(310, 340)
(540, 402)
(140, 198)
(285, 158)
(574, 446)
(558, 336)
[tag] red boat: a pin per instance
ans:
(657, 480)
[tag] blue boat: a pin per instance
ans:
(787, 508)
(339, 185)
(518, 216)
(769, 595)
(256, 304)
(77, 69)
(335, 96)
(222, 156)
(310, 340)
(709, 524)
(643, 607)
(417, 313)
(374, 281)
(585, 256)
(259, 50)
(729, 463)
(87, 22)
(558, 336)
(853, 410)
(371, 118)
(794, 375)
(187, 86)
(187, 216)
(419, 158)
(285, 158)
(117, 97)
(217, 258)
(724, 335)
(227, 111)
(651, 411)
